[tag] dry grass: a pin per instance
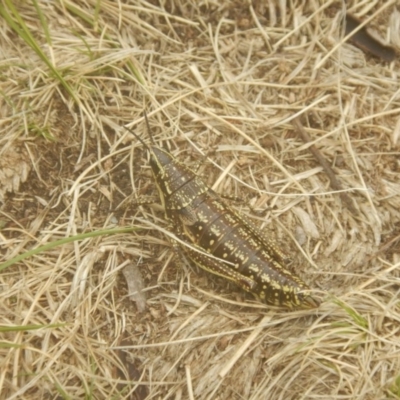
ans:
(224, 77)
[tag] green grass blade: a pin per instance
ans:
(23, 328)
(394, 389)
(61, 392)
(60, 242)
(43, 22)
(96, 13)
(23, 31)
(357, 318)
(9, 345)
(82, 14)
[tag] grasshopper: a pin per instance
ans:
(220, 240)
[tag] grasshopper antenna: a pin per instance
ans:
(148, 127)
(138, 137)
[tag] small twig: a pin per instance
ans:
(130, 373)
(388, 245)
(335, 184)
(246, 344)
(367, 43)
(384, 247)
(135, 285)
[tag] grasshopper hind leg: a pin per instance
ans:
(220, 268)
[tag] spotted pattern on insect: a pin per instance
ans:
(220, 240)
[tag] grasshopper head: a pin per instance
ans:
(162, 166)
(159, 160)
